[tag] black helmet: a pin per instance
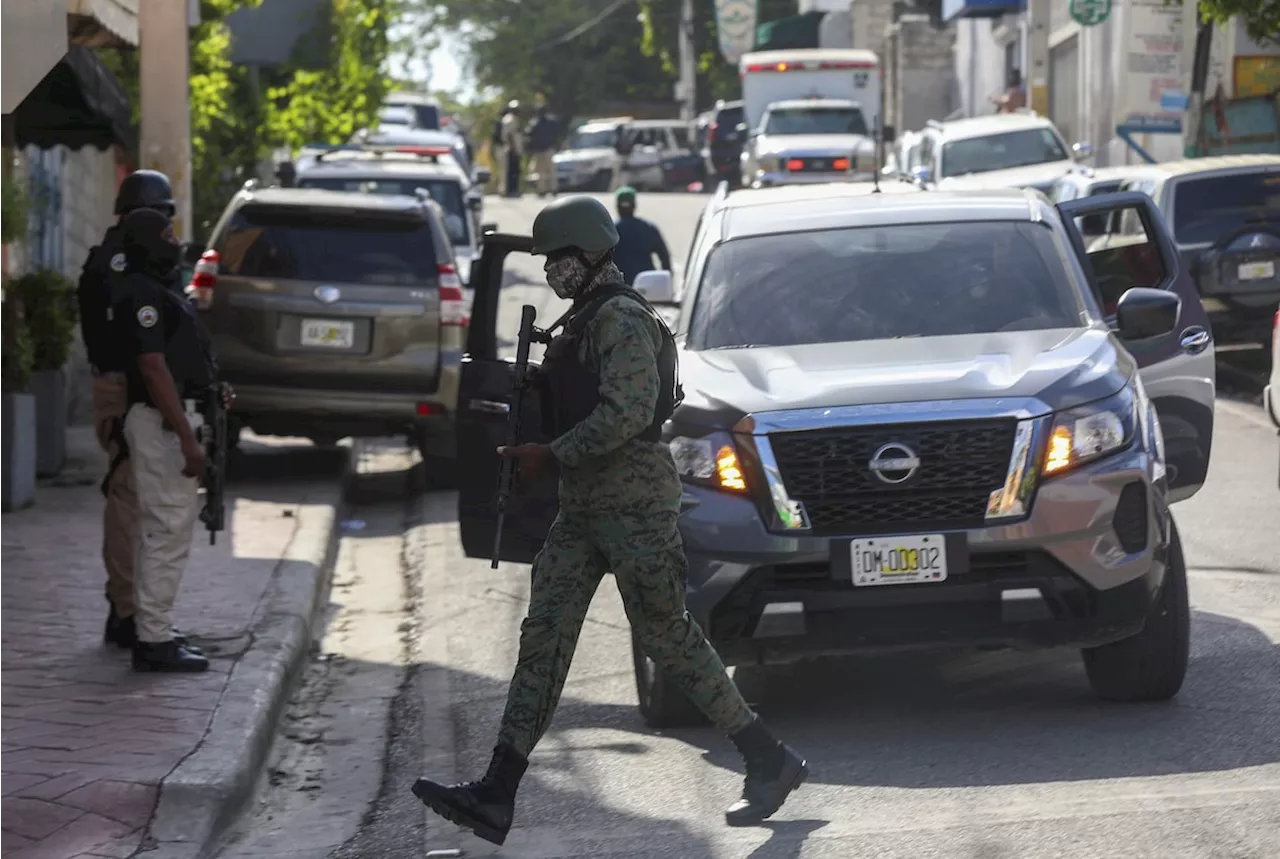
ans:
(145, 189)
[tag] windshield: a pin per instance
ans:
(874, 283)
(605, 138)
(356, 247)
(1002, 152)
(443, 191)
(395, 116)
(815, 120)
(1205, 210)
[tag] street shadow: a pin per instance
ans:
(786, 838)
(967, 719)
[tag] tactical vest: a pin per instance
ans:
(571, 391)
(105, 263)
(188, 349)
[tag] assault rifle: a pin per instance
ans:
(214, 437)
(519, 385)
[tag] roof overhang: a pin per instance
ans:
(103, 23)
(77, 104)
(954, 9)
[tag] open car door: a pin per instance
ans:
(484, 404)
(1177, 368)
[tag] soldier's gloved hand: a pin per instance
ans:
(228, 395)
(531, 457)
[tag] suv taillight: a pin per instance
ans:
(204, 279)
(453, 305)
(711, 132)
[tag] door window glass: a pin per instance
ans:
(1129, 258)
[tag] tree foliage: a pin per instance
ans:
(1261, 17)
(581, 55)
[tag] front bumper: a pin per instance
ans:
(773, 178)
(573, 176)
(1060, 576)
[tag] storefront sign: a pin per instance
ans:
(736, 27)
(1090, 13)
(1153, 45)
(1256, 75)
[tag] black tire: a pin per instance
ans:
(1151, 665)
(662, 705)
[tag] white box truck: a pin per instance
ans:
(769, 76)
(810, 116)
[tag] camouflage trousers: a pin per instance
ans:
(566, 574)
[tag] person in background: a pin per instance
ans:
(639, 241)
(542, 135)
(513, 145)
(1014, 97)
(287, 173)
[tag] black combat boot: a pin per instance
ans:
(773, 771)
(123, 633)
(486, 807)
(167, 656)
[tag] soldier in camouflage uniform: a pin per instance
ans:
(619, 502)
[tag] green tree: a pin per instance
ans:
(1261, 17)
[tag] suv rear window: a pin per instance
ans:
(342, 247)
(1205, 210)
(729, 118)
(875, 283)
(444, 191)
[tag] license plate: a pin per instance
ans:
(899, 560)
(327, 332)
(1257, 270)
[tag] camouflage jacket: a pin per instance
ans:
(604, 467)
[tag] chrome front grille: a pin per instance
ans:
(960, 463)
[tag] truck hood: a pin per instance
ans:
(1040, 176)
(815, 144)
(1062, 367)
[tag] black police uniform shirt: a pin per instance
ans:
(105, 262)
(153, 319)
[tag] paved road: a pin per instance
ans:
(985, 756)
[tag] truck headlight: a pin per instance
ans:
(1090, 432)
(708, 461)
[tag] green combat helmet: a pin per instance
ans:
(574, 222)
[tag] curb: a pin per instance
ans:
(202, 798)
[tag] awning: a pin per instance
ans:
(77, 104)
(99, 23)
(953, 9)
(797, 31)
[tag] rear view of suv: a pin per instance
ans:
(722, 150)
(336, 314)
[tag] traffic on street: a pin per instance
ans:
(711, 430)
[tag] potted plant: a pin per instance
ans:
(49, 312)
(18, 409)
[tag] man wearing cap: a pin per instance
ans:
(639, 240)
(609, 381)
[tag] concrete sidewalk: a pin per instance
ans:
(89, 747)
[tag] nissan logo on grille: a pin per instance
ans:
(894, 463)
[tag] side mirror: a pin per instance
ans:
(888, 133)
(655, 286)
(475, 204)
(1082, 151)
(922, 174)
(1143, 312)
(483, 175)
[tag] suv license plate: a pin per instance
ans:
(1256, 270)
(327, 332)
(899, 560)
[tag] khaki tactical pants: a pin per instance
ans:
(120, 519)
(168, 504)
(580, 549)
(546, 171)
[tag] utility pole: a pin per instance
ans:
(688, 66)
(163, 75)
(1037, 72)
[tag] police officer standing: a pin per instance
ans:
(171, 366)
(143, 189)
(611, 376)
